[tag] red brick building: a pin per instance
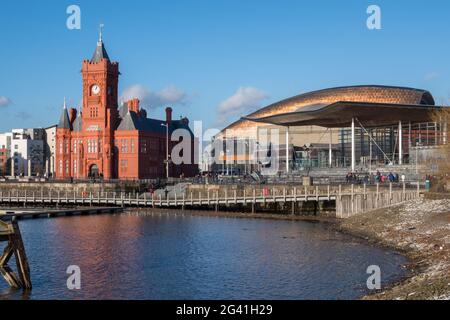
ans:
(105, 140)
(3, 161)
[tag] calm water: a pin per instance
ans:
(188, 257)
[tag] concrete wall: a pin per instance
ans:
(349, 205)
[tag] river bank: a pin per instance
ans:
(420, 229)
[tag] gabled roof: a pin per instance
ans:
(129, 122)
(64, 122)
(132, 121)
(78, 124)
(123, 109)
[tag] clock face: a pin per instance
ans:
(95, 89)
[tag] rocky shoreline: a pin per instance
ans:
(420, 229)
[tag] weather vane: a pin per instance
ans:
(101, 31)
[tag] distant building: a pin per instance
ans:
(23, 151)
(4, 161)
(28, 152)
(103, 140)
(50, 150)
(346, 127)
(5, 147)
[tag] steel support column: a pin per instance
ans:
(330, 151)
(400, 143)
(287, 149)
(353, 146)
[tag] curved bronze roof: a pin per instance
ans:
(373, 94)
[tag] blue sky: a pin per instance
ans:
(213, 60)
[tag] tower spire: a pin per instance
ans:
(100, 38)
(100, 51)
(64, 120)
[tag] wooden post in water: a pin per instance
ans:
(184, 201)
(10, 233)
(216, 207)
(254, 201)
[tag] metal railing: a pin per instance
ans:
(264, 194)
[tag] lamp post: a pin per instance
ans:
(167, 148)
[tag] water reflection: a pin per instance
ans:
(164, 256)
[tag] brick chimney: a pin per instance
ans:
(168, 115)
(133, 105)
(72, 115)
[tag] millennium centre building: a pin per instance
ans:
(367, 126)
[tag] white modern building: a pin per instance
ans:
(50, 150)
(25, 150)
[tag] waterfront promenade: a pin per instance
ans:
(341, 201)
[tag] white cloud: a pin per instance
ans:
(5, 101)
(168, 96)
(245, 100)
(171, 95)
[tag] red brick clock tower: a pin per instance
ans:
(104, 141)
(99, 113)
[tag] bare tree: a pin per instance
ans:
(442, 117)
